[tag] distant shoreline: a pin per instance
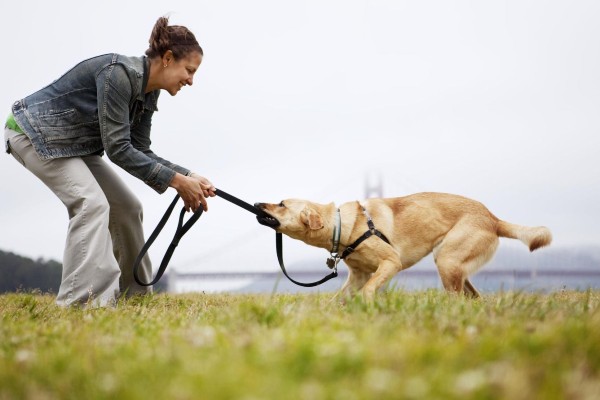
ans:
(487, 281)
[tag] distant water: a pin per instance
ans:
(484, 281)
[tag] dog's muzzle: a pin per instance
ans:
(264, 218)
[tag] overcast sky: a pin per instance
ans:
(494, 100)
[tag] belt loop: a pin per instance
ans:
(6, 142)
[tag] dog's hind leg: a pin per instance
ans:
(462, 252)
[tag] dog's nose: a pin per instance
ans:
(258, 205)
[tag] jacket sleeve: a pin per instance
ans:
(114, 94)
(140, 139)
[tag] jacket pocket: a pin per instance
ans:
(65, 120)
(58, 119)
(67, 127)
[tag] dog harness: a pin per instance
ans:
(334, 259)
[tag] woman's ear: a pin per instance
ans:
(311, 218)
(167, 58)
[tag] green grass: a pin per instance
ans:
(413, 345)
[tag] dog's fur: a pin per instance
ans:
(462, 234)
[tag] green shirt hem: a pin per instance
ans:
(12, 124)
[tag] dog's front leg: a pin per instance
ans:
(356, 280)
(470, 290)
(386, 271)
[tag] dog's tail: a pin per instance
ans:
(533, 237)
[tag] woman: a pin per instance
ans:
(105, 105)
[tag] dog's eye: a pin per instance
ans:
(281, 204)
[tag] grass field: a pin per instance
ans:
(413, 345)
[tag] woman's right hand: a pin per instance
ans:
(191, 192)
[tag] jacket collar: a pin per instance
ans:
(150, 100)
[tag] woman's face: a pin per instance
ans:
(179, 73)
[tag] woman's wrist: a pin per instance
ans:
(177, 180)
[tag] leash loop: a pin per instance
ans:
(179, 232)
(279, 247)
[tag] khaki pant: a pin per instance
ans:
(105, 230)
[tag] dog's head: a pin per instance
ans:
(293, 217)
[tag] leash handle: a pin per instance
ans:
(279, 247)
(179, 232)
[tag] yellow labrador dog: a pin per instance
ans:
(377, 238)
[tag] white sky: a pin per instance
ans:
(494, 100)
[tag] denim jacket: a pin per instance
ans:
(98, 106)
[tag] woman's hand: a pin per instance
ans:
(208, 189)
(193, 190)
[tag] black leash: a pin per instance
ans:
(279, 246)
(183, 228)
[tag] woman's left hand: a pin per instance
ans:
(208, 189)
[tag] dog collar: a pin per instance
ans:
(337, 230)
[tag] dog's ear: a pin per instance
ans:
(311, 218)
